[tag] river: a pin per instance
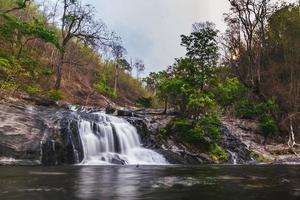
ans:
(113, 182)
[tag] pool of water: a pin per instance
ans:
(150, 182)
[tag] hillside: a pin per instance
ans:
(29, 56)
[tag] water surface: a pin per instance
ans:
(113, 182)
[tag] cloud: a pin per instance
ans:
(151, 29)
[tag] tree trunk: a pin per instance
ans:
(291, 142)
(59, 70)
(116, 78)
(166, 106)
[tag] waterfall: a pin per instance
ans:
(112, 140)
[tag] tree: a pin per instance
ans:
(78, 24)
(15, 34)
(20, 4)
(124, 65)
(20, 32)
(283, 43)
(249, 18)
(118, 52)
(139, 67)
(152, 81)
(202, 53)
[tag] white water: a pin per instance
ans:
(113, 139)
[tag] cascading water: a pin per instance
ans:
(112, 140)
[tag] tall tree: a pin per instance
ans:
(202, 53)
(78, 24)
(249, 17)
(139, 67)
(118, 52)
(283, 44)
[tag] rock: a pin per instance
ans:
(118, 161)
(238, 152)
(39, 134)
(21, 130)
(125, 112)
(33, 134)
(110, 109)
(148, 127)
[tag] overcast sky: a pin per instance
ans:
(151, 29)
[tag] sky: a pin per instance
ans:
(151, 29)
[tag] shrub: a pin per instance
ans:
(268, 125)
(102, 87)
(145, 102)
(217, 153)
(246, 109)
(259, 157)
(210, 124)
(32, 90)
(205, 131)
(55, 95)
(262, 112)
(228, 92)
(162, 134)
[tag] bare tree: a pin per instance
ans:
(250, 17)
(139, 67)
(118, 52)
(78, 24)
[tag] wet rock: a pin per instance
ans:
(125, 112)
(110, 109)
(238, 152)
(149, 126)
(118, 161)
(37, 133)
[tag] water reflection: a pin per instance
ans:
(150, 182)
(108, 183)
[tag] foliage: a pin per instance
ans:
(202, 53)
(13, 26)
(205, 131)
(246, 109)
(55, 95)
(259, 157)
(202, 104)
(217, 153)
(162, 134)
(8, 85)
(102, 87)
(261, 111)
(32, 90)
(229, 91)
(145, 101)
(268, 125)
